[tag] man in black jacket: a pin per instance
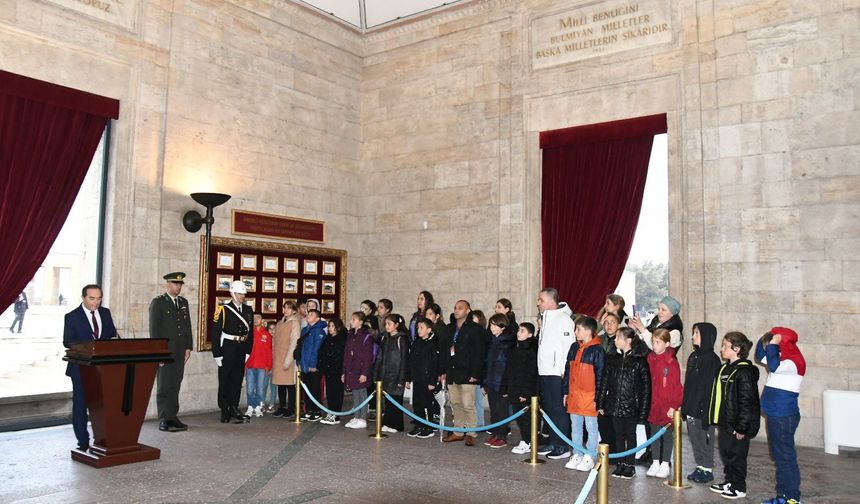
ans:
(735, 410)
(465, 356)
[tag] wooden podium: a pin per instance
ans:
(117, 375)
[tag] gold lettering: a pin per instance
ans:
(570, 22)
(620, 11)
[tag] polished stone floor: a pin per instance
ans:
(276, 461)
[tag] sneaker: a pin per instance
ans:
(280, 413)
(695, 475)
(250, 411)
(619, 470)
(652, 471)
(558, 454)
(414, 432)
(663, 470)
(544, 449)
(586, 465)
(781, 499)
(426, 433)
(357, 423)
(489, 441)
(720, 487)
(330, 420)
(629, 471)
(574, 461)
(645, 459)
(258, 411)
(521, 449)
(732, 493)
(388, 429)
(314, 417)
(498, 443)
(707, 476)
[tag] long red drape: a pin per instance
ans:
(48, 135)
(593, 182)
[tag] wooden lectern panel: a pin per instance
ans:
(117, 376)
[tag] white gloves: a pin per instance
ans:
(218, 360)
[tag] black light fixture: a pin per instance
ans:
(192, 221)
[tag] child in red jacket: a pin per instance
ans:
(259, 363)
(666, 396)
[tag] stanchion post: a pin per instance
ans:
(603, 474)
(298, 405)
(534, 409)
(676, 482)
(378, 431)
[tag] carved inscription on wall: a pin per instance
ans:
(119, 12)
(598, 28)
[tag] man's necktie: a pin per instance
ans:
(95, 325)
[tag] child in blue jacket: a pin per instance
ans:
(311, 340)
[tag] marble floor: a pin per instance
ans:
(276, 461)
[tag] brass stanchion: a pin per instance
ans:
(676, 481)
(298, 397)
(603, 474)
(378, 431)
(534, 409)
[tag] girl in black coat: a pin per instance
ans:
(390, 368)
(625, 393)
(331, 365)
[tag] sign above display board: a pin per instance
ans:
(598, 28)
(277, 226)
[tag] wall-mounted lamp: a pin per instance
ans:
(192, 220)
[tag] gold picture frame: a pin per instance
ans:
(328, 287)
(327, 306)
(291, 286)
(225, 260)
(252, 302)
(231, 249)
(248, 262)
(269, 306)
(311, 267)
(269, 284)
(270, 263)
(250, 282)
(222, 282)
(329, 268)
(309, 286)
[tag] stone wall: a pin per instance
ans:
(417, 144)
(763, 163)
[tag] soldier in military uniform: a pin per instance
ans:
(169, 318)
(231, 342)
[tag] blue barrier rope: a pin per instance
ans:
(336, 413)
(454, 429)
(578, 448)
(586, 488)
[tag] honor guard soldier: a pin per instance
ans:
(169, 318)
(231, 342)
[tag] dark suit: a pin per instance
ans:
(166, 321)
(232, 370)
(77, 329)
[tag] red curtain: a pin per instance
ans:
(592, 187)
(48, 135)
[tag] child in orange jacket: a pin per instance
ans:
(581, 381)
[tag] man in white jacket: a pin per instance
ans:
(556, 336)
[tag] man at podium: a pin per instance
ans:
(87, 322)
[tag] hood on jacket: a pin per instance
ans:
(639, 349)
(788, 348)
(708, 333)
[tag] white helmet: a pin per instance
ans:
(238, 287)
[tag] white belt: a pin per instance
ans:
(232, 337)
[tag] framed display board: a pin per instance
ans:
(272, 273)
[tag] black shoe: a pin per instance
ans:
(280, 413)
(558, 453)
(414, 432)
(426, 433)
(83, 446)
(175, 426)
(645, 460)
(236, 416)
(238, 413)
(225, 415)
(619, 470)
(163, 426)
(629, 471)
(544, 449)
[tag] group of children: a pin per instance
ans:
(613, 381)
